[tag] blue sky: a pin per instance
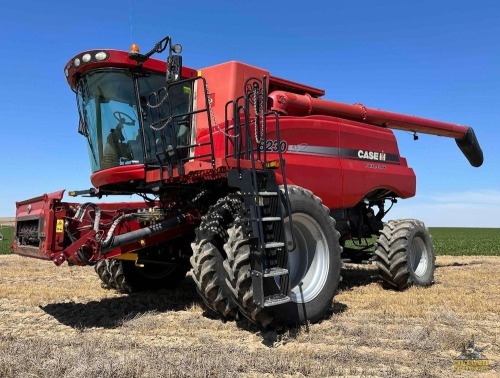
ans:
(435, 59)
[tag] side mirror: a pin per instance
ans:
(174, 68)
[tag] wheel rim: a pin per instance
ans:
(419, 256)
(309, 262)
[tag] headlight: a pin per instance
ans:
(86, 58)
(101, 55)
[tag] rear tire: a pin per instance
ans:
(314, 265)
(208, 255)
(405, 254)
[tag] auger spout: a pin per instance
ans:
(287, 103)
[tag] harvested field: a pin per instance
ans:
(59, 322)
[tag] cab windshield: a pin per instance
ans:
(109, 117)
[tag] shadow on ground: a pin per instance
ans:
(354, 275)
(282, 335)
(452, 264)
(112, 312)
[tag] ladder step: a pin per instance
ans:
(274, 245)
(274, 272)
(271, 219)
(275, 299)
(268, 194)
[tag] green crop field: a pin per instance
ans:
(7, 232)
(466, 241)
(447, 241)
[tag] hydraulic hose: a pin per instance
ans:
(133, 236)
(81, 212)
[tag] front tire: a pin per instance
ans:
(314, 265)
(208, 256)
(405, 254)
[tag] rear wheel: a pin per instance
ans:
(405, 254)
(208, 256)
(314, 265)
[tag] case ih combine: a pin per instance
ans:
(254, 182)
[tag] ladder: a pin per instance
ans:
(269, 256)
(261, 194)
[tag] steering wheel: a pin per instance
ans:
(122, 117)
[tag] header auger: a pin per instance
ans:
(252, 182)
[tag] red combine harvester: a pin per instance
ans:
(206, 150)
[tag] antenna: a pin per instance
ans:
(131, 29)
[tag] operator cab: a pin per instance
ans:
(124, 129)
(131, 115)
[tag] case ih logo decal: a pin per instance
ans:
(305, 149)
(371, 155)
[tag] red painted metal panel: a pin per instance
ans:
(124, 173)
(323, 155)
(362, 175)
(226, 82)
(39, 212)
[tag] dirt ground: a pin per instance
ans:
(59, 322)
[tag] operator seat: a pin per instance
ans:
(114, 149)
(110, 156)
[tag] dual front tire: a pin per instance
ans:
(314, 265)
(208, 256)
